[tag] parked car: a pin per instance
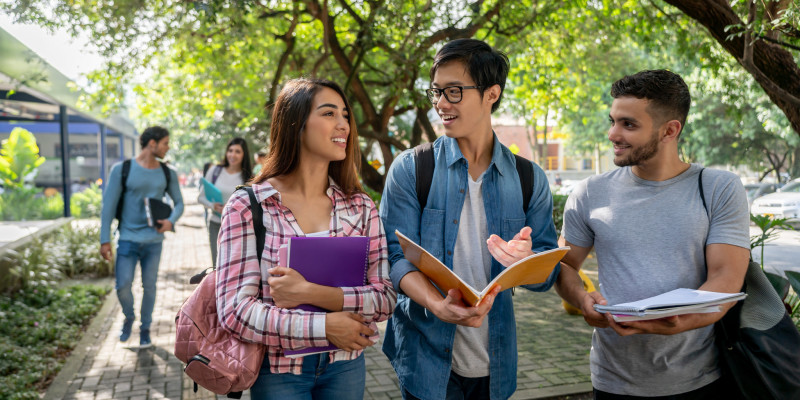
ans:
(785, 203)
(756, 190)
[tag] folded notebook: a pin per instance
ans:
(155, 210)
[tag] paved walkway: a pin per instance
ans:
(553, 346)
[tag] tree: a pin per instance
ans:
(230, 57)
(759, 45)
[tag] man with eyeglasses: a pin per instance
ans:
(475, 223)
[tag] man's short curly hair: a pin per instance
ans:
(667, 92)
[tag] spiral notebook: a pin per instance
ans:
(328, 261)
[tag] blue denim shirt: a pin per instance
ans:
(418, 343)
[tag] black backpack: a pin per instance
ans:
(126, 170)
(425, 165)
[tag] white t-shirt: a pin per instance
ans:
(226, 183)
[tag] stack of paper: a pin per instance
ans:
(675, 302)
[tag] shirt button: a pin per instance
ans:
(446, 350)
(331, 213)
(460, 190)
(455, 221)
(449, 253)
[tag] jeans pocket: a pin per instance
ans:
(127, 248)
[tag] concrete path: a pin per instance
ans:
(553, 346)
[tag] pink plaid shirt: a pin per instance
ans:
(244, 304)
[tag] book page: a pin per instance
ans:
(673, 298)
(444, 278)
(666, 313)
(530, 270)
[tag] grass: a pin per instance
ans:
(38, 330)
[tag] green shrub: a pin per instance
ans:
(70, 251)
(38, 329)
(559, 200)
(32, 267)
(77, 252)
(88, 203)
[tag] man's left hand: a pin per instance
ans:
(507, 253)
(166, 225)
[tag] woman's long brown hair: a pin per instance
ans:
(289, 116)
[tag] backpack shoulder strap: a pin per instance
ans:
(167, 174)
(702, 195)
(215, 173)
(126, 170)
(258, 221)
(525, 173)
(425, 165)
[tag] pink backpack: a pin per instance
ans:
(215, 358)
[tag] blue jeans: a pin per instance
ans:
(462, 388)
(320, 380)
(148, 255)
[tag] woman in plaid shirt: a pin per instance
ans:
(308, 187)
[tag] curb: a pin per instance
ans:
(88, 344)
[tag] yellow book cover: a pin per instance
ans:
(528, 271)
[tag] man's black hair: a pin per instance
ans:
(152, 133)
(486, 66)
(667, 92)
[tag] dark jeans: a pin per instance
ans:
(320, 380)
(461, 388)
(718, 389)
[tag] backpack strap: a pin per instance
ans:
(215, 173)
(258, 227)
(525, 180)
(258, 221)
(167, 174)
(424, 171)
(426, 164)
(126, 170)
(702, 195)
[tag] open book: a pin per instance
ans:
(530, 270)
(675, 302)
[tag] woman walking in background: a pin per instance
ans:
(234, 170)
(308, 187)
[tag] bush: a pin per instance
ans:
(559, 201)
(88, 203)
(38, 329)
(70, 251)
(77, 251)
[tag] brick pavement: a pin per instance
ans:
(553, 346)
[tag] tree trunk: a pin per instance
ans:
(775, 68)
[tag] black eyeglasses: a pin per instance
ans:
(451, 93)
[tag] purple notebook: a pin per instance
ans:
(329, 261)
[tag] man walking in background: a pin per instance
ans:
(145, 177)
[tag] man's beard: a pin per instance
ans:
(640, 154)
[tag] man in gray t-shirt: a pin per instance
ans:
(651, 234)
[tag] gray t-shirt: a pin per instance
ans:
(649, 237)
(472, 262)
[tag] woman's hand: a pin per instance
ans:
(347, 331)
(288, 288)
